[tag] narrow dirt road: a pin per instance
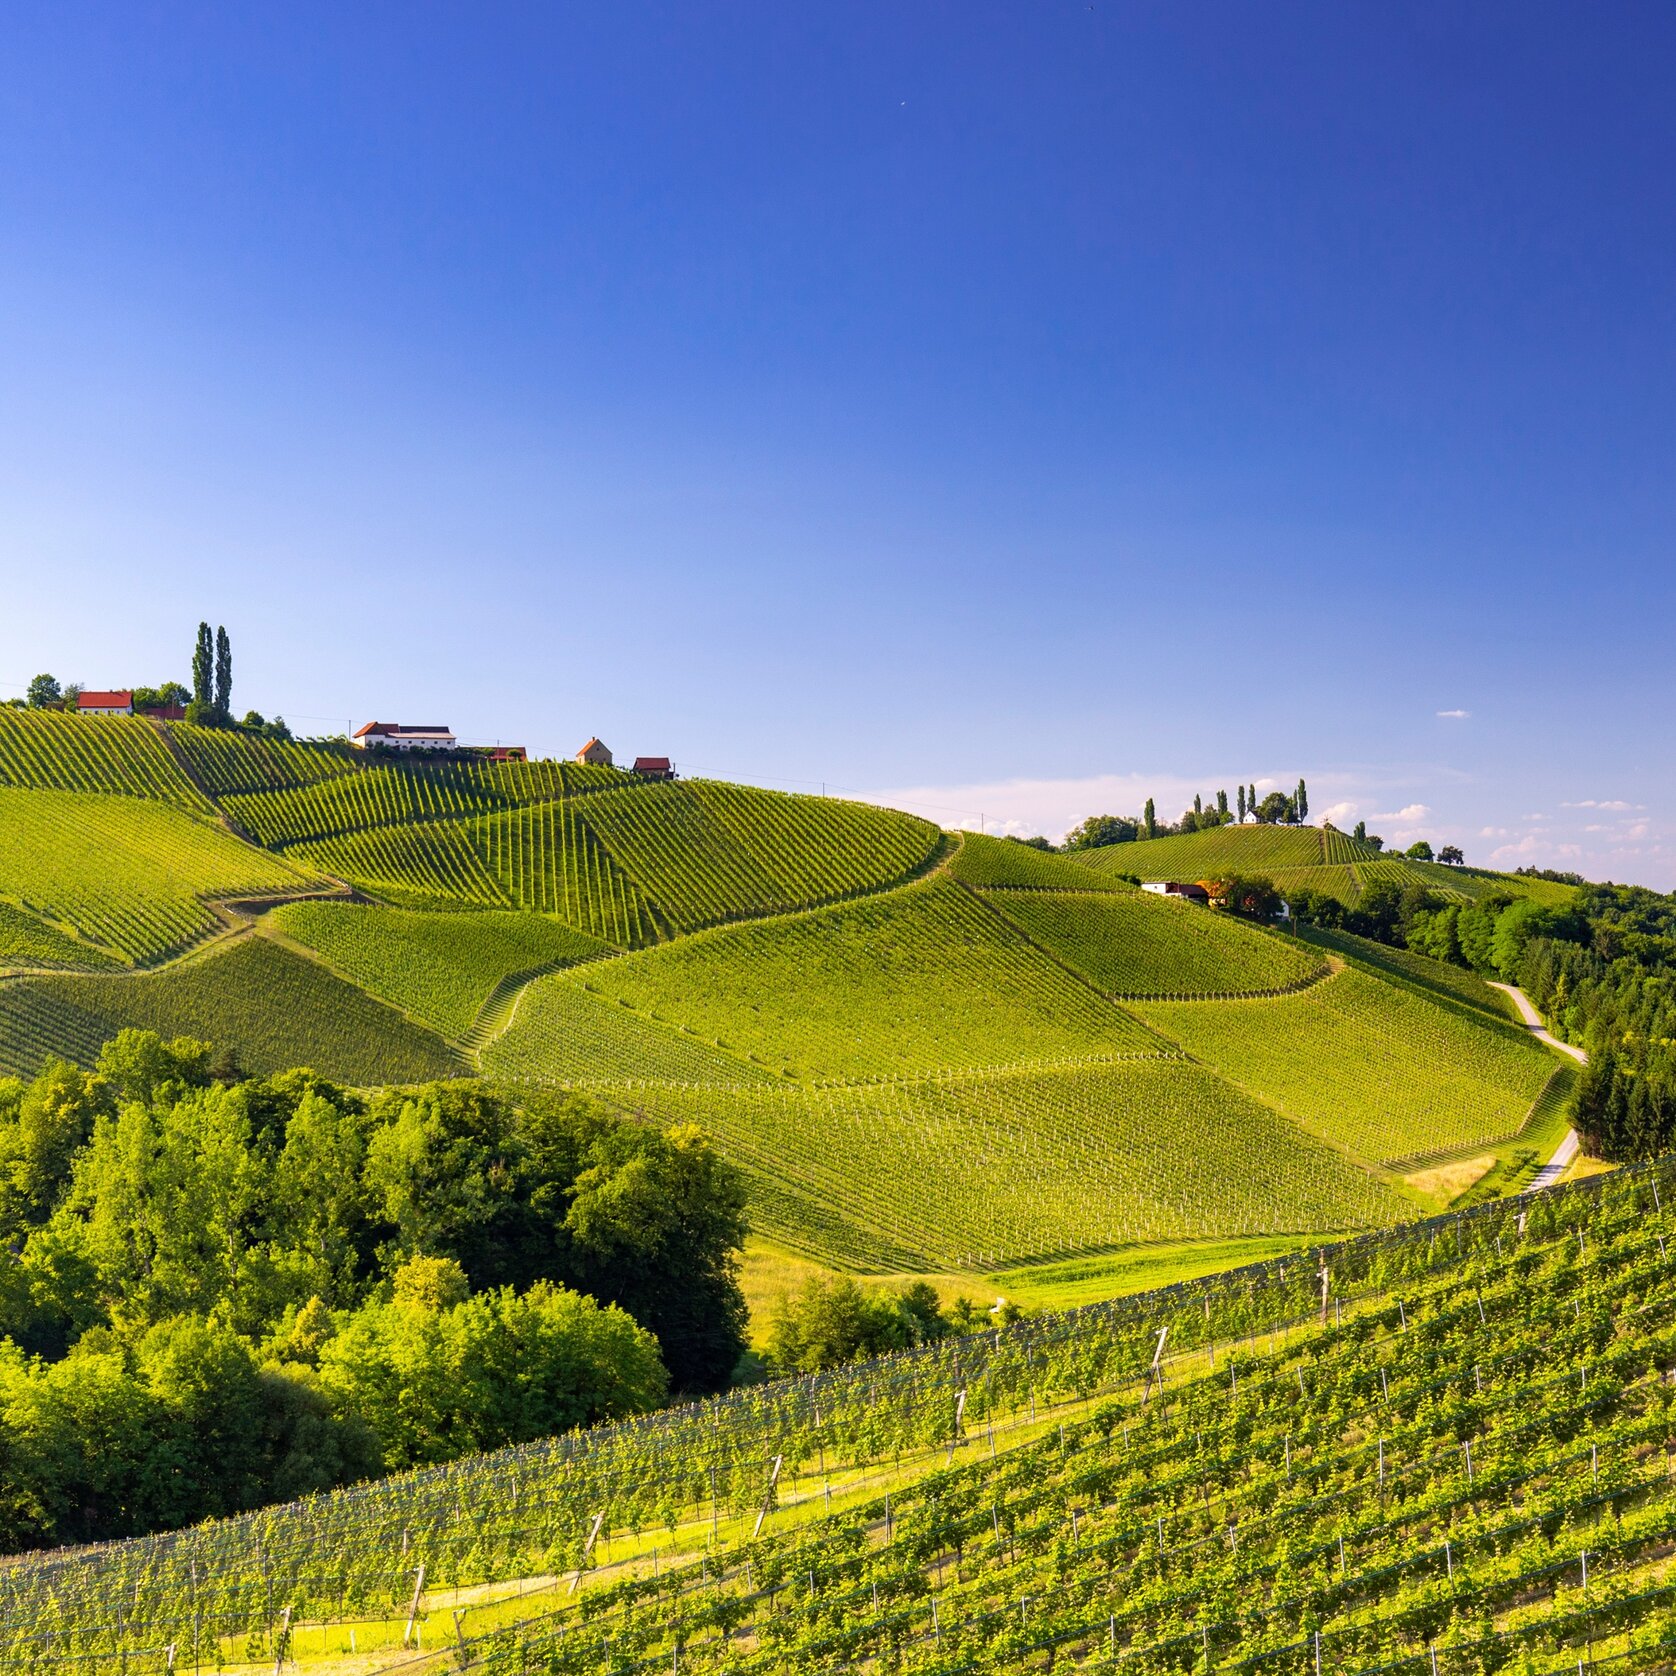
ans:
(1567, 1149)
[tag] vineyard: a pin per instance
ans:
(43, 750)
(1444, 1448)
(1433, 978)
(439, 968)
(1228, 849)
(999, 864)
(1136, 944)
(825, 985)
(127, 875)
(274, 1008)
(546, 859)
(923, 979)
(1382, 1071)
(974, 1172)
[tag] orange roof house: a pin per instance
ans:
(596, 753)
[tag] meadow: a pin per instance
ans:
(1438, 1448)
(439, 968)
(1383, 1072)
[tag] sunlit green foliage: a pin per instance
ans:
(976, 1171)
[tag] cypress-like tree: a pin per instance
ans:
(1222, 804)
(1242, 805)
(203, 666)
(1302, 799)
(1149, 819)
(224, 673)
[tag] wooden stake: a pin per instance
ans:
(413, 1610)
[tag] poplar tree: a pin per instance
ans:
(224, 675)
(1242, 805)
(1149, 818)
(1302, 800)
(203, 666)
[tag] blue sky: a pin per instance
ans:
(1002, 408)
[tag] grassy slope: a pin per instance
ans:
(924, 979)
(1071, 1509)
(272, 1007)
(1384, 1072)
(1433, 978)
(438, 967)
(1000, 863)
(126, 874)
(1138, 944)
(1195, 855)
(971, 1172)
(28, 943)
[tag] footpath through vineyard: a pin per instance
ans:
(1447, 1448)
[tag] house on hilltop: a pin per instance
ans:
(404, 736)
(105, 704)
(1174, 887)
(596, 753)
(654, 768)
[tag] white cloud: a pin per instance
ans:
(1341, 814)
(1615, 805)
(1494, 832)
(1454, 715)
(1410, 813)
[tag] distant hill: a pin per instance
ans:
(1296, 857)
(928, 1051)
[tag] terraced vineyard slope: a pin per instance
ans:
(1443, 1448)
(1429, 1078)
(925, 1050)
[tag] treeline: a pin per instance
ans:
(1601, 969)
(1275, 809)
(217, 1294)
(207, 703)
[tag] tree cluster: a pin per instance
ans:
(1206, 814)
(826, 1323)
(225, 1292)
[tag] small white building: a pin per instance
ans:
(1174, 887)
(405, 736)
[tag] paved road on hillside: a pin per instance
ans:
(1567, 1149)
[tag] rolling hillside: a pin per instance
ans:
(1442, 1449)
(927, 1051)
(1299, 857)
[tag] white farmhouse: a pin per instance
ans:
(404, 736)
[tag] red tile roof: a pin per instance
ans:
(651, 765)
(103, 701)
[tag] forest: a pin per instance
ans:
(223, 1293)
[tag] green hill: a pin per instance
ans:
(927, 1051)
(1401, 1454)
(1305, 857)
